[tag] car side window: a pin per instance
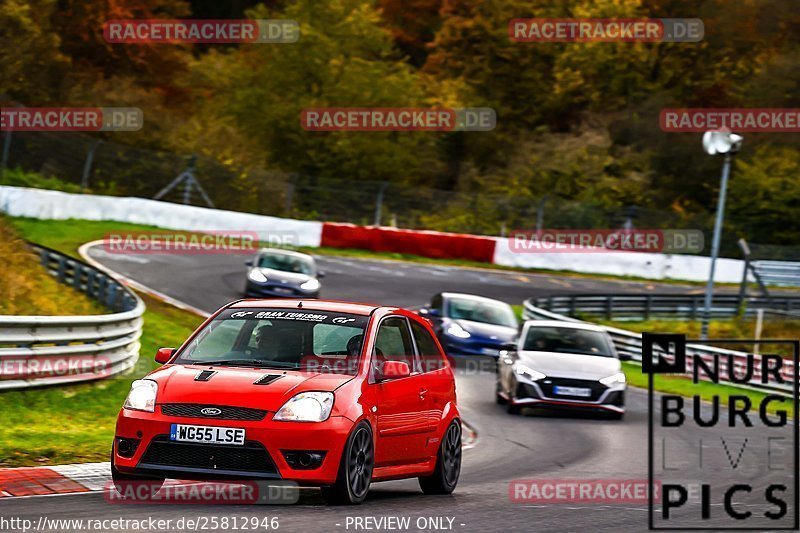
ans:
(429, 355)
(393, 342)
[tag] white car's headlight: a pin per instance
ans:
(457, 331)
(306, 407)
(616, 379)
(142, 396)
(310, 285)
(257, 276)
(528, 372)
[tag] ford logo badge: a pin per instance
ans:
(210, 411)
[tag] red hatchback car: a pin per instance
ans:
(328, 394)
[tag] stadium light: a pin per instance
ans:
(718, 143)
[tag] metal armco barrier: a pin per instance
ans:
(631, 343)
(778, 273)
(646, 306)
(54, 350)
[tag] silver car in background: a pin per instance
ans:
(562, 365)
(276, 272)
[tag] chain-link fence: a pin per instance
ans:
(87, 163)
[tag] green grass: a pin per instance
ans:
(17, 177)
(56, 425)
(684, 386)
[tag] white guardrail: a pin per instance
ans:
(56, 350)
(630, 343)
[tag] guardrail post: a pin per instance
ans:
(610, 308)
(694, 308)
(62, 269)
(77, 271)
(648, 303)
(549, 303)
(6, 151)
(572, 306)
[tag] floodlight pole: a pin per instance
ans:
(723, 191)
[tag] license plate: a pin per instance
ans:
(573, 391)
(206, 434)
(282, 290)
(490, 351)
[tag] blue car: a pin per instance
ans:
(471, 325)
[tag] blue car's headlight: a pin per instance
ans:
(257, 276)
(457, 331)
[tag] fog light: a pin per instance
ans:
(304, 460)
(126, 447)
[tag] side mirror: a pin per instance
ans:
(395, 370)
(625, 357)
(320, 274)
(249, 262)
(508, 347)
(163, 355)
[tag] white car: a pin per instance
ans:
(562, 365)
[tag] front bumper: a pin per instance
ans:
(541, 393)
(471, 346)
(277, 290)
(262, 457)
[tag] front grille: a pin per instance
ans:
(548, 384)
(252, 457)
(194, 410)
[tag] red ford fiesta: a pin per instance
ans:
(328, 394)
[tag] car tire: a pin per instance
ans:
(355, 469)
(127, 484)
(513, 409)
(448, 463)
(616, 416)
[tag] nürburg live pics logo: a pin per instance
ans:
(724, 453)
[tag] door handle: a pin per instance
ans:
(422, 393)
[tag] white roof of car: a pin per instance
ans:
(562, 324)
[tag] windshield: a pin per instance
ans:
(280, 338)
(567, 340)
(286, 263)
(496, 313)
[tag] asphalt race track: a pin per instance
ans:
(210, 281)
(532, 446)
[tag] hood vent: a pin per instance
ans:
(266, 379)
(205, 375)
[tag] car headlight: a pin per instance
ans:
(257, 276)
(310, 285)
(306, 407)
(528, 372)
(142, 396)
(616, 379)
(457, 331)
